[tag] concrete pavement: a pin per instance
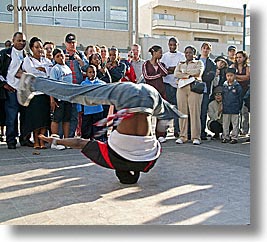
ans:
(207, 184)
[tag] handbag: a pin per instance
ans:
(197, 87)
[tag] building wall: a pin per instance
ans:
(145, 20)
(180, 14)
(115, 16)
(6, 31)
(183, 21)
(84, 36)
(217, 48)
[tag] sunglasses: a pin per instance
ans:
(218, 94)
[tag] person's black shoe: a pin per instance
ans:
(225, 141)
(11, 146)
(233, 141)
(176, 135)
(27, 143)
(204, 138)
(128, 177)
(216, 137)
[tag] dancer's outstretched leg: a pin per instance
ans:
(140, 98)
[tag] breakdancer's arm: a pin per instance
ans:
(75, 143)
(138, 125)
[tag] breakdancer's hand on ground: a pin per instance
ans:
(75, 143)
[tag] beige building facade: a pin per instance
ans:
(191, 23)
(103, 22)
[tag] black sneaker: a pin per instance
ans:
(233, 141)
(11, 146)
(128, 177)
(176, 135)
(225, 141)
(26, 143)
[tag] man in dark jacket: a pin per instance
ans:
(11, 60)
(207, 77)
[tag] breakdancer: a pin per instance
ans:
(131, 148)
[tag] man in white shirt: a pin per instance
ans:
(171, 59)
(11, 60)
(136, 61)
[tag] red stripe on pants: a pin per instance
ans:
(104, 151)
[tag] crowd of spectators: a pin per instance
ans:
(220, 110)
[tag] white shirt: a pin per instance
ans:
(16, 60)
(135, 148)
(137, 65)
(172, 59)
(31, 64)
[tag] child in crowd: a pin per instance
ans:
(116, 68)
(93, 113)
(232, 104)
(60, 109)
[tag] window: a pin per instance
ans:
(233, 23)
(206, 39)
(208, 20)
(6, 16)
(233, 42)
(163, 16)
(112, 14)
(42, 17)
(93, 19)
(117, 14)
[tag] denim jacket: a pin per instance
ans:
(77, 67)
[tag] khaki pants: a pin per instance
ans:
(189, 102)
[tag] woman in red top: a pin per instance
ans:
(153, 72)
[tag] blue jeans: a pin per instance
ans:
(140, 97)
(12, 108)
(171, 98)
(203, 114)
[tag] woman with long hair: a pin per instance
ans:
(243, 77)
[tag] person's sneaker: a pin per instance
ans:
(58, 147)
(225, 141)
(11, 146)
(162, 139)
(179, 141)
(26, 142)
(233, 141)
(196, 142)
(25, 92)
